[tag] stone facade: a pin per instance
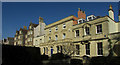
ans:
(30, 34)
(78, 37)
(39, 33)
(19, 38)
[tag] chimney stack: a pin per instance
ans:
(40, 19)
(111, 12)
(25, 27)
(81, 14)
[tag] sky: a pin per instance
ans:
(15, 15)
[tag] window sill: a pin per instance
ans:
(98, 33)
(77, 36)
(87, 55)
(86, 35)
(99, 55)
(77, 55)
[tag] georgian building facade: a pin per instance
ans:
(30, 34)
(78, 36)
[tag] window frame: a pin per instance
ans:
(98, 31)
(87, 47)
(56, 37)
(64, 35)
(57, 49)
(46, 50)
(99, 50)
(77, 49)
(49, 38)
(64, 26)
(87, 30)
(61, 49)
(56, 28)
(40, 40)
(77, 33)
(50, 30)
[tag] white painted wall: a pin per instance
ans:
(39, 30)
(112, 26)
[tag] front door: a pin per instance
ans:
(51, 51)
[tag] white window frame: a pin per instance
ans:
(56, 37)
(78, 49)
(49, 38)
(57, 49)
(99, 29)
(76, 33)
(64, 35)
(46, 50)
(80, 20)
(100, 49)
(87, 49)
(87, 30)
(56, 28)
(40, 40)
(64, 26)
(43, 50)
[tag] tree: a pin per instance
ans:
(113, 39)
(69, 49)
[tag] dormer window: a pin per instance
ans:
(91, 17)
(81, 21)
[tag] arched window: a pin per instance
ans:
(56, 37)
(64, 35)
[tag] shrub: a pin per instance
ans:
(76, 62)
(59, 56)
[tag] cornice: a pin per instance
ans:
(60, 21)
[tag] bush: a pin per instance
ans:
(98, 60)
(14, 55)
(59, 56)
(76, 62)
(114, 61)
(44, 57)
